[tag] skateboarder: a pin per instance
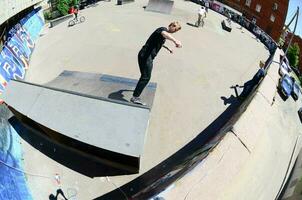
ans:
(149, 51)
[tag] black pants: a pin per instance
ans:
(145, 66)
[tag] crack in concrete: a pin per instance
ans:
(232, 131)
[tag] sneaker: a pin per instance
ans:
(138, 101)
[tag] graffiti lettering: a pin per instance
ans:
(16, 52)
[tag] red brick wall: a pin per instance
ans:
(274, 29)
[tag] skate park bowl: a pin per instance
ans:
(201, 141)
(64, 111)
(161, 6)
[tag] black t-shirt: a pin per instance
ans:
(154, 42)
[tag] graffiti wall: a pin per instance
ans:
(13, 185)
(20, 43)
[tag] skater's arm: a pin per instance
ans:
(170, 50)
(168, 36)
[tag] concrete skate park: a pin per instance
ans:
(200, 142)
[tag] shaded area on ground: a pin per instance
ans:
(67, 156)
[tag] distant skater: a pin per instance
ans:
(201, 16)
(147, 54)
(207, 5)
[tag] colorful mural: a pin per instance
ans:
(17, 50)
(14, 60)
(12, 180)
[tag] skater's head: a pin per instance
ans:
(174, 27)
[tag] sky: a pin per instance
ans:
(291, 10)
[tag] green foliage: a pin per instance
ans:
(293, 55)
(47, 15)
(300, 80)
(63, 6)
(75, 2)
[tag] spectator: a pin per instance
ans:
(207, 5)
(249, 85)
(201, 16)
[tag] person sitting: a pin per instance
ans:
(249, 85)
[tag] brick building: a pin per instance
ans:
(269, 15)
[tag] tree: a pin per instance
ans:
(293, 55)
(63, 6)
(75, 2)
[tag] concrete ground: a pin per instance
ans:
(255, 158)
(192, 82)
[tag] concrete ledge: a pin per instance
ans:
(161, 6)
(248, 134)
(60, 20)
(254, 159)
(273, 72)
(107, 131)
(268, 89)
(214, 174)
(251, 162)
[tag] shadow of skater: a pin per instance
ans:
(232, 99)
(59, 191)
(119, 95)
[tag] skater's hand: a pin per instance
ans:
(178, 44)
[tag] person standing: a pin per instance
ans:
(201, 15)
(207, 5)
(147, 54)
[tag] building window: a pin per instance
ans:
(258, 8)
(248, 2)
(275, 6)
(272, 18)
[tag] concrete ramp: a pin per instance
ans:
(161, 6)
(102, 86)
(111, 132)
